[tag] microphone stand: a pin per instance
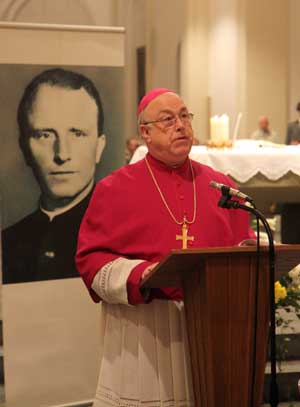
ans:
(226, 202)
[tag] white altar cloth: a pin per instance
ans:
(246, 159)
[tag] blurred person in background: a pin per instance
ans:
(293, 129)
(131, 145)
(264, 131)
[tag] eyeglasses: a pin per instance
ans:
(170, 120)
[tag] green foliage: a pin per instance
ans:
(287, 298)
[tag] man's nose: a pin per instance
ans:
(179, 122)
(62, 150)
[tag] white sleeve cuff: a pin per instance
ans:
(110, 283)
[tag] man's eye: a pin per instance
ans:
(184, 115)
(79, 133)
(41, 134)
(168, 119)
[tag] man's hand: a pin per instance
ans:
(148, 270)
(248, 242)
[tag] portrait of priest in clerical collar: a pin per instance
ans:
(60, 121)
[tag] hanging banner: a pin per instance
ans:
(62, 113)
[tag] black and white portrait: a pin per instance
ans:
(62, 132)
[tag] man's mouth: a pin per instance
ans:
(62, 172)
(182, 137)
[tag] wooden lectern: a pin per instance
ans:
(227, 328)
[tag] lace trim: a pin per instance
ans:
(113, 399)
(103, 283)
(110, 283)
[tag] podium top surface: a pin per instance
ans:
(286, 257)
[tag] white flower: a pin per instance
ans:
(295, 275)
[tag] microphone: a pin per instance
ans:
(227, 190)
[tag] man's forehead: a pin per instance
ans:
(62, 107)
(167, 102)
(60, 93)
(263, 119)
(52, 100)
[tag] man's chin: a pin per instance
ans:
(61, 192)
(183, 150)
(58, 199)
(61, 195)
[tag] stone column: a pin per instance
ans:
(194, 65)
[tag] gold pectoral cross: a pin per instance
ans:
(184, 237)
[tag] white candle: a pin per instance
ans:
(219, 128)
(214, 123)
(224, 130)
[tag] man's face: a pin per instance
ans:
(132, 145)
(170, 145)
(264, 123)
(64, 142)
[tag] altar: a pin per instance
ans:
(267, 172)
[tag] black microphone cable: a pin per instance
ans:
(226, 202)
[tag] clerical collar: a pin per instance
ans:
(162, 166)
(52, 214)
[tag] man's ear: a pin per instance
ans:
(145, 133)
(101, 142)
